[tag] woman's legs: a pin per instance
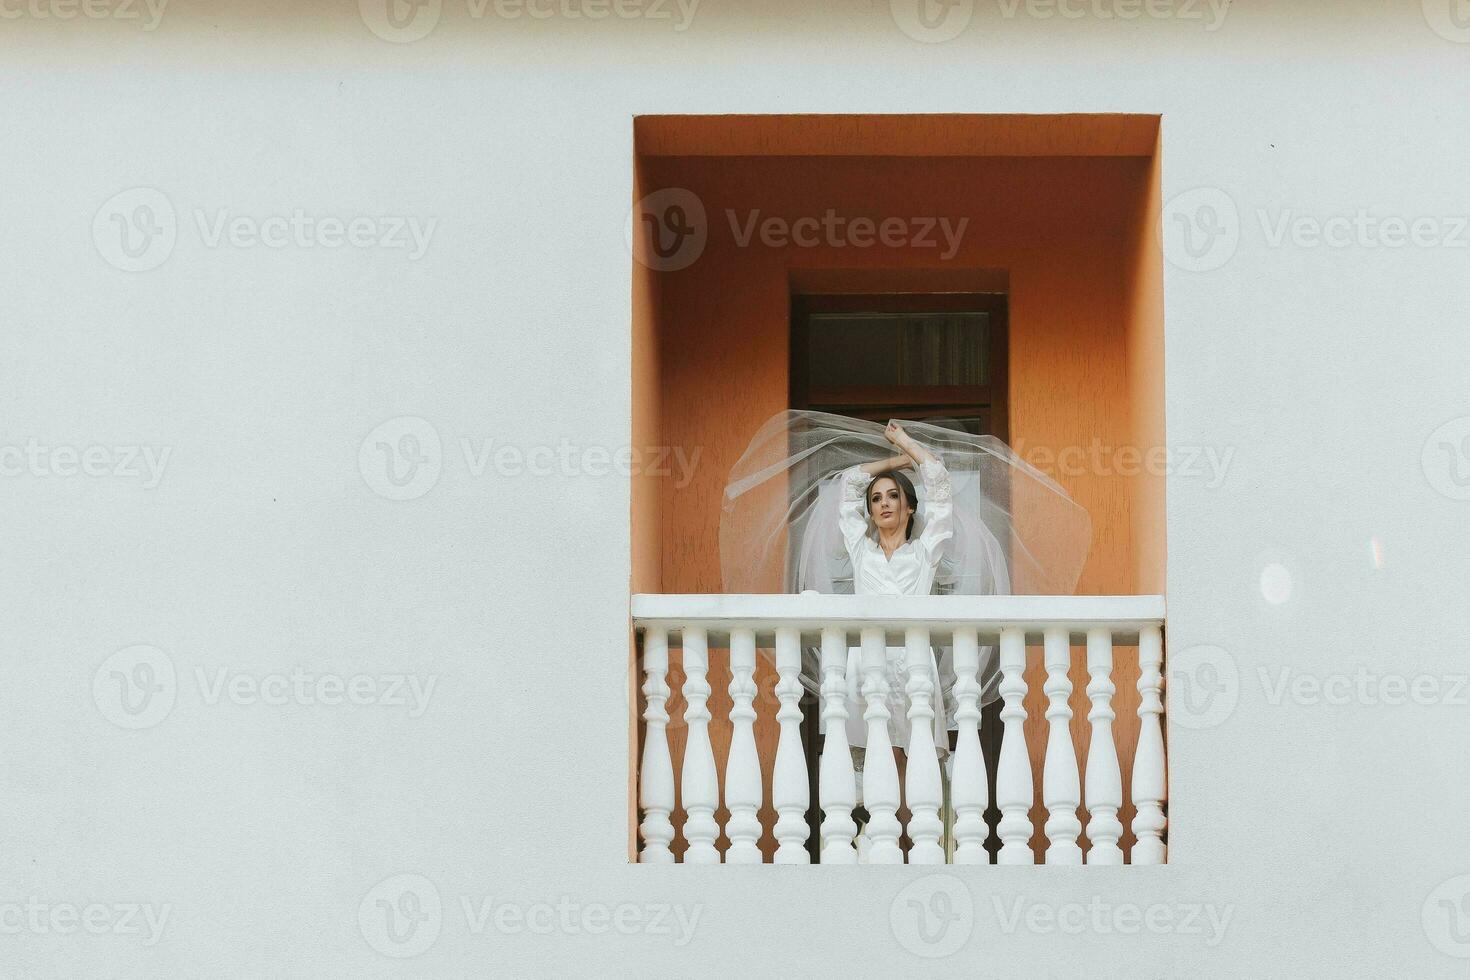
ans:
(946, 810)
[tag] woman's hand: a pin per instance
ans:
(895, 434)
(912, 453)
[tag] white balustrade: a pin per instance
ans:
(1104, 780)
(1059, 784)
(1013, 786)
(837, 784)
(706, 624)
(789, 790)
(656, 776)
(743, 769)
(699, 786)
(1148, 760)
(922, 786)
(880, 771)
(968, 790)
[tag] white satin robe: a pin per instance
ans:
(910, 571)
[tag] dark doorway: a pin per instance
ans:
(939, 356)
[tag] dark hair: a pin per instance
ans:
(905, 487)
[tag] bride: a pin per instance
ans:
(890, 560)
(820, 502)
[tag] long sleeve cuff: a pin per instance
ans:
(936, 479)
(855, 481)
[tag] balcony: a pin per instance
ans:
(728, 692)
(709, 808)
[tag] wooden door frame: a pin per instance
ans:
(991, 398)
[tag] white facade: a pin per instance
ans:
(1318, 810)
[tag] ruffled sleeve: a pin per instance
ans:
(852, 516)
(938, 508)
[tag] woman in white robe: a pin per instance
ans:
(876, 518)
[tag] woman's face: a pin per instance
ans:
(887, 506)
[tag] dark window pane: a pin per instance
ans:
(898, 349)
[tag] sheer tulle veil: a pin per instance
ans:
(1016, 532)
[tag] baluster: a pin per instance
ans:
(789, 782)
(880, 772)
(1104, 779)
(1148, 761)
(967, 789)
(742, 767)
(837, 785)
(699, 786)
(1013, 786)
(922, 787)
(656, 776)
(1059, 783)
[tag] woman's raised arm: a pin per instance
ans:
(939, 507)
(880, 466)
(912, 449)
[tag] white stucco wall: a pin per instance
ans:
(1320, 830)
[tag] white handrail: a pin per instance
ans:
(1124, 616)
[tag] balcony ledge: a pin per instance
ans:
(1123, 616)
